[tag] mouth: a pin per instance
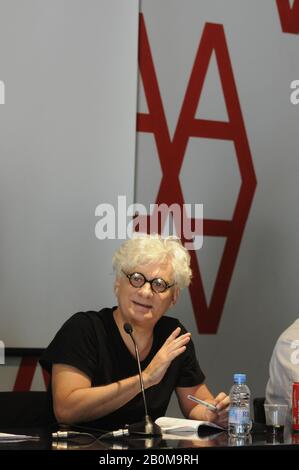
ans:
(145, 306)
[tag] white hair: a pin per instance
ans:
(143, 249)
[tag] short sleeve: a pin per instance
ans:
(74, 345)
(190, 371)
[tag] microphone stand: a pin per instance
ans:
(146, 428)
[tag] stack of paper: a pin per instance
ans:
(180, 425)
(4, 437)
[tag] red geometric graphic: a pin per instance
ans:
(171, 155)
(26, 373)
(289, 16)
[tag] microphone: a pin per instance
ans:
(146, 427)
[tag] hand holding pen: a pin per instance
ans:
(216, 413)
(201, 402)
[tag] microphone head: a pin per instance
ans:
(128, 328)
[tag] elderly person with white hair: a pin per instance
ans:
(94, 374)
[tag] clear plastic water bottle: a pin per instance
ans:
(239, 421)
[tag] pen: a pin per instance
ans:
(201, 402)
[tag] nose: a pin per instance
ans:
(146, 290)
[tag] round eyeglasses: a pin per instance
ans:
(158, 285)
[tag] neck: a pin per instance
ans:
(142, 336)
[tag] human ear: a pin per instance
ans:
(116, 285)
(175, 296)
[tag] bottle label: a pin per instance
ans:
(239, 415)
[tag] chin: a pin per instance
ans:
(141, 314)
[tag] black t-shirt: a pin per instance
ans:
(91, 342)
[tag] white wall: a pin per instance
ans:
(48, 51)
(262, 298)
(67, 144)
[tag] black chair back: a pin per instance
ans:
(24, 409)
(258, 409)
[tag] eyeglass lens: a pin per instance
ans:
(138, 280)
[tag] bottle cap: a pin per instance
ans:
(240, 378)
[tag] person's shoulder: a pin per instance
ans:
(92, 313)
(89, 317)
(169, 323)
(169, 320)
(290, 334)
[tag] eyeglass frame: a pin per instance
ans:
(167, 286)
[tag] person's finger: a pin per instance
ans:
(222, 401)
(223, 412)
(175, 348)
(221, 396)
(175, 339)
(223, 405)
(173, 335)
(177, 352)
(179, 342)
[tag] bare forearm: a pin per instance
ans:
(198, 412)
(91, 403)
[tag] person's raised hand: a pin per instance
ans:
(172, 348)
